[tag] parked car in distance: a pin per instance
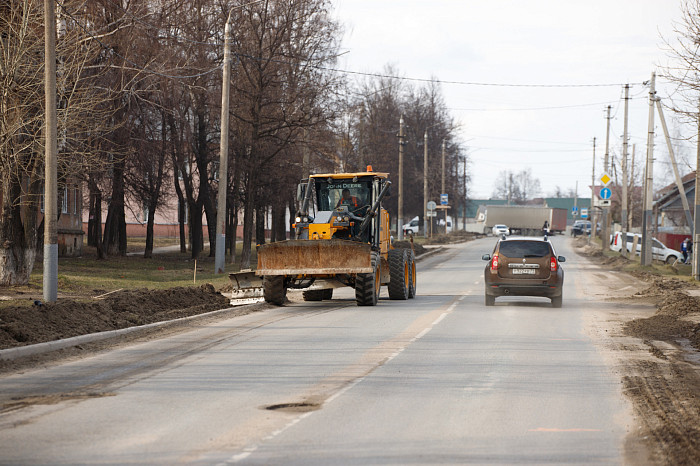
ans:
(412, 227)
(523, 266)
(499, 230)
(659, 251)
(581, 227)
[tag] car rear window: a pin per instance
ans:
(523, 249)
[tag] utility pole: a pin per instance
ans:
(649, 182)
(625, 200)
(679, 181)
(605, 233)
(425, 183)
(442, 186)
(399, 221)
(632, 171)
(593, 216)
(50, 283)
(696, 227)
(220, 255)
(464, 197)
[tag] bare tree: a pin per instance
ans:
(81, 116)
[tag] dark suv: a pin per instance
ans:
(523, 267)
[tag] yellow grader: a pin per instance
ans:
(341, 238)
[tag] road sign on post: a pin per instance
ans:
(443, 199)
(584, 213)
(574, 211)
(605, 193)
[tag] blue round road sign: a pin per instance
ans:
(605, 193)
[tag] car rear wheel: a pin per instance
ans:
(556, 301)
(489, 300)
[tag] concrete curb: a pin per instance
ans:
(11, 354)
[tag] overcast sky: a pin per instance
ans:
(535, 42)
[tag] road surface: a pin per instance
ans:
(437, 379)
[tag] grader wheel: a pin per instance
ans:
(399, 274)
(274, 289)
(367, 285)
(412, 274)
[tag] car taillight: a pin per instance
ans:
(553, 264)
(494, 262)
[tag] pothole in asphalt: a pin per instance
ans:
(294, 407)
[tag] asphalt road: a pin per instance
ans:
(437, 379)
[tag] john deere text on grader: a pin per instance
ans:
(341, 238)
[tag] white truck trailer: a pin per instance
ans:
(523, 220)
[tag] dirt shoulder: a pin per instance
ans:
(657, 355)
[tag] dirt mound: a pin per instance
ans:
(585, 249)
(417, 248)
(25, 325)
(669, 323)
(458, 236)
(660, 286)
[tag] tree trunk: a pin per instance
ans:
(249, 208)
(17, 255)
(181, 217)
(231, 230)
(196, 234)
(260, 214)
(95, 214)
(148, 252)
(115, 226)
(277, 232)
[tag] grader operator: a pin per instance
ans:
(341, 238)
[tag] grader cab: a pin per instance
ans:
(341, 238)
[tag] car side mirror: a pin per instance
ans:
(486, 257)
(561, 259)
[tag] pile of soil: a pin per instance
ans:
(676, 318)
(660, 286)
(26, 325)
(458, 236)
(417, 248)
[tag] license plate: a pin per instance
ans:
(523, 271)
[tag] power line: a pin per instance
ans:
(350, 72)
(530, 108)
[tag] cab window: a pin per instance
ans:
(334, 193)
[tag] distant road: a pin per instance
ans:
(437, 379)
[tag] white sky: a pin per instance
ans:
(525, 42)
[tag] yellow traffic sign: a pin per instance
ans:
(605, 179)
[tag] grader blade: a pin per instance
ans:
(314, 257)
(247, 288)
